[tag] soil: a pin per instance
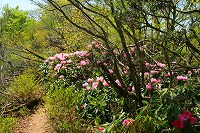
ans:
(37, 122)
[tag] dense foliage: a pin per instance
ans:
(108, 65)
(102, 100)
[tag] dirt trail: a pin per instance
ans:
(36, 123)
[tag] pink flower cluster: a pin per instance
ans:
(118, 82)
(81, 53)
(64, 56)
(101, 129)
(184, 78)
(147, 64)
(95, 44)
(92, 84)
(153, 69)
(129, 88)
(168, 74)
(84, 62)
(83, 106)
(183, 118)
(148, 86)
(127, 122)
(62, 61)
(161, 65)
(154, 80)
(157, 69)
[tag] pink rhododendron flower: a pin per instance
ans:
(81, 53)
(66, 55)
(146, 74)
(90, 80)
(94, 42)
(104, 52)
(95, 84)
(147, 64)
(161, 65)
(83, 63)
(105, 84)
(184, 78)
(118, 82)
(187, 113)
(168, 74)
(126, 72)
(125, 122)
(185, 116)
(90, 47)
(85, 84)
(47, 60)
(87, 61)
(129, 88)
(105, 63)
(132, 50)
(193, 120)
(178, 124)
(154, 80)
(189, 72)
(154, 71)
(100, 79)
(60, 56)
(110, 71)
(83, 106)
(61, 76)
(51, 58)
(98, 62)
(133, 88)
(54, 75)
(69, 61)
(88, 88)
(100, 129)
(63, 67)
(57, 67)
(148, 86)
(97, 46)
(63, 62)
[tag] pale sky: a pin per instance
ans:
(23, 4)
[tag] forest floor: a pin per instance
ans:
(37, 122)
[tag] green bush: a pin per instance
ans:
(6, 124)
(24, 88)
(99, 105)
(61, 104)
(165, 94)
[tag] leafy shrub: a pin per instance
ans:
(24, 88)
(22, 95)
(6, 124)
(99, 105)
(121, 124)
(161, 93)
(66, 68)
(61, 103)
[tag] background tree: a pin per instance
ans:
(19, 48)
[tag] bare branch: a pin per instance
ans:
(188, 12)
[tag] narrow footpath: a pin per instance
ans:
(35, 123)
